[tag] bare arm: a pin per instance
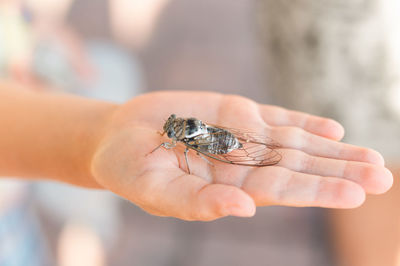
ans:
(98, 144)
(45, 135)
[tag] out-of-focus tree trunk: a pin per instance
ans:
(341, 58)
(329, 47)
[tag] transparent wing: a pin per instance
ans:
(256, 150)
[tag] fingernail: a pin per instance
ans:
(242, 211)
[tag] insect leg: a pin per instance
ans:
(205, 159)
(186, 159)
(161, 133)
(165, 145)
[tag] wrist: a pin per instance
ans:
(98, 125)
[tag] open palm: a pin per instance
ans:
(315, 169)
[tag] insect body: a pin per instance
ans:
(223, 144)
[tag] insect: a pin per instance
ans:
(226, 145)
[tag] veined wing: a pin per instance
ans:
(256, 150)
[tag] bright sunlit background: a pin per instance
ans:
(337, 58)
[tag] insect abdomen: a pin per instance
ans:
(223, 142)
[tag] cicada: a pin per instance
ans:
(228, 145)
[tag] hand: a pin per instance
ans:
(315, 169)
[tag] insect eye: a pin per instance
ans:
(170, 133)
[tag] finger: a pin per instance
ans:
(280, 186)
(325, 127)
(374, 179)
(296, 138)
(190, 197)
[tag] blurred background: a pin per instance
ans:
(336, 58)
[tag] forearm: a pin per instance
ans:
(52, 136)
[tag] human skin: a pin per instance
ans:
(102, 145)
(369, 235)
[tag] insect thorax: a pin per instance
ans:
(181, 128)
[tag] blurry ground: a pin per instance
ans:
(275, 236)
(207, 45)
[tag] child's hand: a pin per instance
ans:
(315, 170)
